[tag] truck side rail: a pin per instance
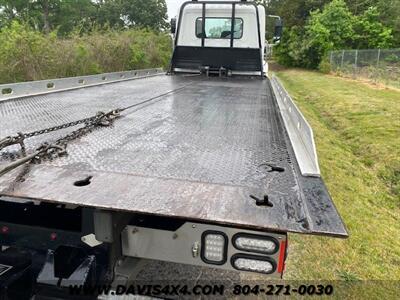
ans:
(32, 88)
(299, 130)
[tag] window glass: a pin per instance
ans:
(219, 28)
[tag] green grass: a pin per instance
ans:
(357, 131)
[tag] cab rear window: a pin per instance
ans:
(219, 28)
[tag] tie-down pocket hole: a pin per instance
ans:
(83, 182)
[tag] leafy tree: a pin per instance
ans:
(331, 28)
(388, 10)
(370, 33)
(65, 15)
(390, 16)
(129, 13)
(43, 10)
(150, 13)
(324, 31)
(109, 12)
(73, 13)
(46, 15)
(294, 12)
(13, 9)
(335, 27)
(359, 6)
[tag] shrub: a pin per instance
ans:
(325, 65)
(26, 54)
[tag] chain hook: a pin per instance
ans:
(12, 140)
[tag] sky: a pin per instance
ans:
(173, 7)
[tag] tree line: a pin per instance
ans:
(66, 15)
(41, 39)
(312, 27)
(315, 27)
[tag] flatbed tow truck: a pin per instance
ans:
(211, 164)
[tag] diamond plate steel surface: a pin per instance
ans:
(197, 153)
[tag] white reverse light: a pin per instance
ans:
(214, 247)
(254, 243)
(253, 264)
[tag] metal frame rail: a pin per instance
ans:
(299, 130)
(31, 88)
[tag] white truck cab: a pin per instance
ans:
(221, 36)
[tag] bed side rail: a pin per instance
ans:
(299, 130)
(31, 88)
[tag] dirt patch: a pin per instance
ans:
(275, 67)
(369, 83)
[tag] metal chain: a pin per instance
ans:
(58, 148)
(101, 119)
(20, 137)
(59, 127)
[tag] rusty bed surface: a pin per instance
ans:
(196, 153)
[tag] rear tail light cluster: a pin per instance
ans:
(258, 251)
(215, 246)
(255, 243)
(252, 263)
(5, 229)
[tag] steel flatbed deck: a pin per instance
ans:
(198, 151)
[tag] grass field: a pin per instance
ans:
(357, 130)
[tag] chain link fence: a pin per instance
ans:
(377, 65)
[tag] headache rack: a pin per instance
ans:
(214, 59)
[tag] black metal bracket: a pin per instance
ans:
(262, 202)
(233, 23)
